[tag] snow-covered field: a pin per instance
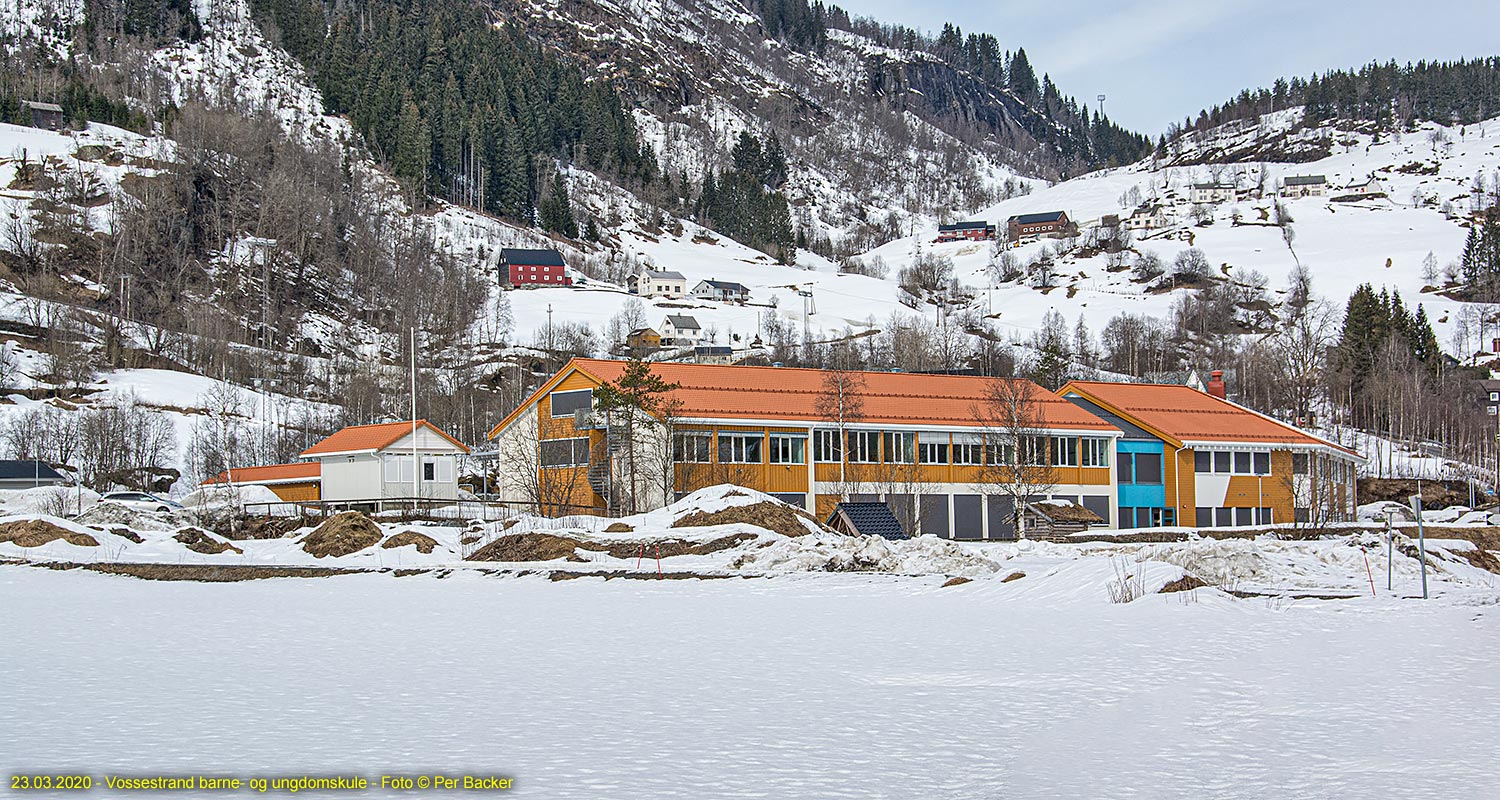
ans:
(811, 686)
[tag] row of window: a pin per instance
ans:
(1227, 517)
(886, 447)
(1232, 463)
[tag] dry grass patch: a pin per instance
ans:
(36, 532)
(958, 580)
(618, 527)
(342, 534)
(537, 546)
(1014, 576)
(1186, 583)
(777, 517)
(198, 541)
(421, 541)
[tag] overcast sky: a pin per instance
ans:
(1163, 60)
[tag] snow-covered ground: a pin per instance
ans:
(813, 686)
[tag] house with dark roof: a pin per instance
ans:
(1304, 186)
(1049, 223)
(726, 291)
(866, 519)
(643, 340)
(974, 230)
(522, 267)
(657, 283)
(47, 116)
(29, 474)
(680, 329)
(713, 354)
(1211, 193)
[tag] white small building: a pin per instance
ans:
(1365, 188)
(727, 291)
(1304, 186)
(1150, 216)
(1211, 193)
(374, 466)
(680, 329)
(653, 283)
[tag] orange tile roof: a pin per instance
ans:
(1188, 415)
(302, 470)
(359, 438)
(712, 391)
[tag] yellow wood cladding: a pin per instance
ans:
(298, 492)
(550, 427)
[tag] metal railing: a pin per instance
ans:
(407, 508)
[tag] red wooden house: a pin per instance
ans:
(977, 230)
(520, 267)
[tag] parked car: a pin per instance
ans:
(141, 501)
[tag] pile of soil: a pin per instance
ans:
(198, 541)
(36, 532)
(1014, 576)
(1435, 494)
(957, 580)
(342, 534)
(260, 527)
(537, 546)
(778, 517)
(1186, 583)
(421, 541)
(618, 527)
(126, 533)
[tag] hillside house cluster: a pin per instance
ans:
(657, 283)
(1025, 226)
(972, 231)
(1115, 455)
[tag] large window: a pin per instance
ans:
(1033, 450)
(565, 403)
(692, 447)
(788, 449)
(933, 452)
(864, 447)
(1094, 452)
(1064, 451)
(1002, 452)
(1148, 468)
(967, 451)
(739, 448)
(826, 447)
(898, 447)
(565, 452)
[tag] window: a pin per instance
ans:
(429, 471)
(1203, 461)
(1033, 450)
(787, 449)
(1262, 463)
(966, 452)
(565, 403)
(1148, 468)
(564, 452)
(1205, 517)
(826, 447)
(864, 447)
(1242, 516)
(738, 448)
(932, 452)
(1495, 397)
(691, 448)
(1242, 463)
(1000, 453)
(1064, 451)
(1223, 517)
(898, 447)
(1299, 463)
(1095, 453)
(1263, 516)
(1222, 462)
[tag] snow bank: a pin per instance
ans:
(830, 552)
(54, 500)
(236, 496)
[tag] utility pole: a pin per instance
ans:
(807, 309)
(1416, 505)
(416, 466)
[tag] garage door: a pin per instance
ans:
(968, 516)
(934, 509)
(1000, 509)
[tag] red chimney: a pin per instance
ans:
(1216, 384)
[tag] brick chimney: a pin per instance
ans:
(1216, 384)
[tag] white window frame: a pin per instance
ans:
(934, 453)
(738, 444)
(795, 445)
(868, 451)
(827, 446)
(1093, 452)
(681, 451)
(1064, 451)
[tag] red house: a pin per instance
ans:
(973, 231)
(519, 267)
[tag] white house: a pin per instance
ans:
(1210, 193)
(680, 329)
(1364, 188)
(372, 466)
(727, 291)
(653, 283)
(1149, 216)
(1304, 186)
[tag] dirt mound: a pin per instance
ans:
(777, 517)
(126, 533)
(1014, 576)
(240, 528)
(1435, 494)
(618, 527)
(1186, 583)
(198, 541)
(37, 532)
(342, 534)
(549, 546)
(421, 541)
(957, 580)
